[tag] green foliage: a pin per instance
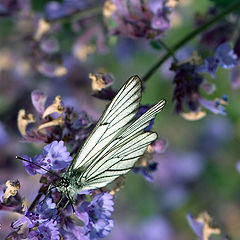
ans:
(223, 3)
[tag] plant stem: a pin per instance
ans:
(41, 191)
(168, 49)
(89, 12)
(189, 37)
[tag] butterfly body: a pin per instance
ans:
(115, 144)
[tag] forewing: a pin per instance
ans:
(120, 156)
(116, 118)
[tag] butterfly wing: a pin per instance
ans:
(122, 153)
(116, 118)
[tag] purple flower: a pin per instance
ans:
(49, 45)
(155, 228)
(160, 19)
(210, 65)
(47, 209)
(102, 205)
(160, 145)
(33, 169)
(4, 137)
(238, 166)
(140, 19)
(45, 231)
(73, 232)
(224, 57)
(187, 87)
(146, 171)
(197, 227)
(29, 218)
(215, 106)
(38, 101)
(57, 155)
(55, 10)
(100, 228)
(96, 215)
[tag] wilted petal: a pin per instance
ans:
(56, 107)
(101, 81)
(194, 116)
(23, 120)
(81, 51)
(201, 226)
(108, 9)
(12, 187)
(42, 28)
(56, 122)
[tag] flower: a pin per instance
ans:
(38, 100)
(45, 231)
(140, 19)
(160, 145)
(47, 209)
(224, 57)
(101, 85)
(187, 87)
(96, 215)
(55, 10)
(57, 155)
(146, 171)
(34, 169)
(29, 218)
(215, 106)
(4, 137)
(201, 225)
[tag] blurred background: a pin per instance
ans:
(196, 173)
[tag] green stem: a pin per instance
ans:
(89, 12)
(189, 37)
(168, 49)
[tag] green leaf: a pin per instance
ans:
(156, 45)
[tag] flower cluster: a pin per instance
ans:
(45, 220)
(134, 19)
(188, 83)
(50, 214)
(55, 122)
(45, 223)
(55, 156)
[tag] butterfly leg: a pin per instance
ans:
(71, 202)
(50, 187)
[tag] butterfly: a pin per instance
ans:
(115, 144)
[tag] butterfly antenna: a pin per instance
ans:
(25, 160)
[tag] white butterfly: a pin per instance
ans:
(116, 143)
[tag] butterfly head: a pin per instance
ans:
(68, 184)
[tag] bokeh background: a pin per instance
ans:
(198, 170)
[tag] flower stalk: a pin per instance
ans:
(233, 7)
